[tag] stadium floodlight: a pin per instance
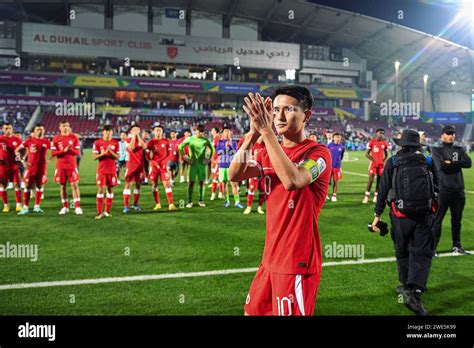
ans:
(453, 82)
(397, 65)
(467, 10)
(425, 78)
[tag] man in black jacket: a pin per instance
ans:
(449, 161)
(409, 171)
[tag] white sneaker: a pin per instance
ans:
(206, 182)
(327, 198)
(189, 205)
(366, 200)
(260, 210)
(118, 182)
(375, 199)
(213, 196)
(63, 211)
(78, 211)
(181, 180)
(248, 210)
(201, 204)
(220, 195)
(333, 199)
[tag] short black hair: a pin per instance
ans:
(6, 124)
(133, 126)
(337, 133)
(157, 126)
(200, 127)
(107, 127)
(39, 125)
(217, 129)
(226, 126)
(380, 130)
(300, 93)
(63, 121)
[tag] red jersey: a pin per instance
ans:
(241, 141)
(3, 152)
(377, 150)
(158, 150)
(173, 150)
(292, 244)
(11, 143)
(215, 141)
(66, 160)
(186, 148)
(37, 151)
(257, 148)
(106, 163)
(135, 156)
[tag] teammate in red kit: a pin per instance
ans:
(255, 183)
(11, 172)
(65, 147)
(173, 160)
(214, 165)
(106, 151)
(184, 165)
(158, 154)
(296, 178)
(36, 148)
(135, 168)
(376, 152)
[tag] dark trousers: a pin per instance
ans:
(414, 249)
(455, 201)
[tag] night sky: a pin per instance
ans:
(429, 16)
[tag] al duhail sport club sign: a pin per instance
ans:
(84, 41)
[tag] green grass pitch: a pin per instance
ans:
(205, 239)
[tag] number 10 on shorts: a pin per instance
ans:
(284, 306)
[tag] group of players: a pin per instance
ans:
(23, 166)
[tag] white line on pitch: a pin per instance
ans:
(180, 275)
(352, 173)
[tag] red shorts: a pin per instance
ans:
(336, 174)
(63, 176)
(215, 170)
(158, 171)
(9, 174)
(36, 176)
(109, 180)
(136, 175)
(282, 294)
(255, 184)
(376, 168)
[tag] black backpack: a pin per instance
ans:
(412, 190)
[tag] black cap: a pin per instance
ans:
(409, 137)
(448, 129)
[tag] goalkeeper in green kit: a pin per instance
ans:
(198, 160)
